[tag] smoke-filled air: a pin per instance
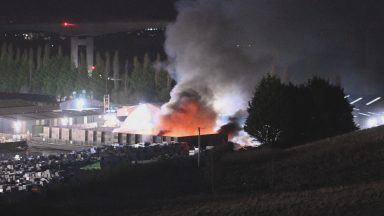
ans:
(220, 49)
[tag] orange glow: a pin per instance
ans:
(187, 115)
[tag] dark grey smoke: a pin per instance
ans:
(228, 45)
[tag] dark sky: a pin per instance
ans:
(336, 36)
(86, 10)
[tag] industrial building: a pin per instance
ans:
(23, 116)
(79, 122)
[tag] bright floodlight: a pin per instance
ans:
(372, 113)
(80, 103)
(372, 122)
(363, 114)
(373, 101)
(358, 99)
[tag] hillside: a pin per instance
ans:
(352, 158)
(336, 176)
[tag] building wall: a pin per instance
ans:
(46, 132)
(108, 137)
(65, 134)
(78, 135)
(37, 130)
(55, 133)
(90, 136)
(83, 136)
(7, 126)
(130, 139)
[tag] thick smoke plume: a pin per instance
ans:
(220, 49)
(204, 57)
(187, 113)
(231, 129)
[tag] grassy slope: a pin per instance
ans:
(364, 199)
(343, 175)
(342, 160)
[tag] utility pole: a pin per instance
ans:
(198, 153)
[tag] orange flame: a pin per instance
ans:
(187, 115)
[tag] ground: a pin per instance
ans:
(336, 176)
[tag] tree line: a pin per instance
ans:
(285, 115)
(47, 71)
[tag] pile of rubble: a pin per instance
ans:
(23, 173)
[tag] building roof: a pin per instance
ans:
(50, 115)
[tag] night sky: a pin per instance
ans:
(27, 11)
(158, 9)
(343, 37)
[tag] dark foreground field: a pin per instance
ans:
(338, 176)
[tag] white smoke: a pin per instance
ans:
(222, 48)
(205, 56)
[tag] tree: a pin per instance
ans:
(157, 70)
(10, 56)
(60, 52)
(284, 115)
(39, 60)
(45, 71)
(126, 75)
(98, 77)
(269, 111)
(47, 55)
(107, 70)
(162, 80)
(36, 84)
(116, 71)
(66, 75)
(22, 72)
(3, 55)
(330, 112)
(3, 67)
(48, 72)
(135, 81)
(142, 81)
(31, 68)
(82, 77)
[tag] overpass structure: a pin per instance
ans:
(82, 34)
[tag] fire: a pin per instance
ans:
(186, 116)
